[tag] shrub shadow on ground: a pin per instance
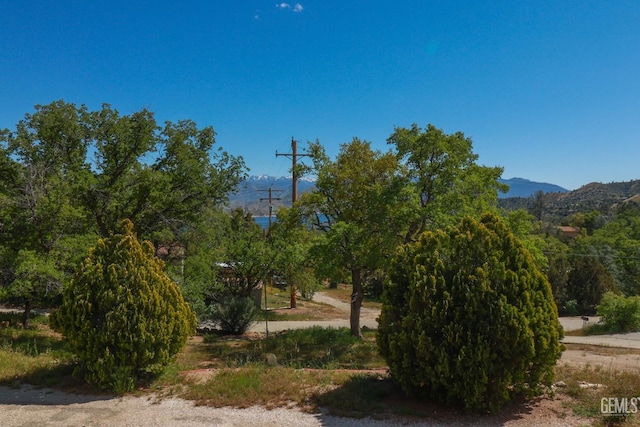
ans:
(379, 398)
(27, 394)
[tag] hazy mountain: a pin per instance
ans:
(254, 188)
(520, 187)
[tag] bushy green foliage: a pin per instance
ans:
(234, 314)
(122, 315)
(587, 281)
(37, 283)
(467, 318)
(619, 313)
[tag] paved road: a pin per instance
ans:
(368, 320)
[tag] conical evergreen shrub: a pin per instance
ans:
(121, 314)
(468, 319)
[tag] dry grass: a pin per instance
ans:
(311, 368)
(587, 386)
(343, 293)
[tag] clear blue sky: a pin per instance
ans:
(550, 90)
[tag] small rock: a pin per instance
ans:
(272, 360)
(584, 384)
(560, 384)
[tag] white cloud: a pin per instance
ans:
(295, 8)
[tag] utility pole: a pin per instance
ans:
(294, 170)
(294, 193)
(268, 234)
(270, 199)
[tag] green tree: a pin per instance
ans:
(622, 236)
(121, 314)
(360, 203)
(558, 271)
(67, 172)
(620, 314)
(468, 317)
(537, 204)
(447, 179)
(41, 164)
(587, 282)
(160, 179)
(247, 254)
(291, 241)
(37, 283)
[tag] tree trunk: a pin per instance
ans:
(26, 314)
(292, 300)
(357, 296)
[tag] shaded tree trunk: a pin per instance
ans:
(26, 314)
(357, 296)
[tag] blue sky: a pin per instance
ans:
(549, 90)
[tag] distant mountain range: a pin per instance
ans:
(253, 189)
(520, 187)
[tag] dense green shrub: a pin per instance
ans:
(122, 315)
(467, 318)
(234, 314)
(619, 313)
(587, 282)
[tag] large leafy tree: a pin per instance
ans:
(291, 242)
(109, 166)
(161, 179)
(444, 170)
(37, 282)
(361, 203)
(70, 172)
(468, 318)
(42, 165)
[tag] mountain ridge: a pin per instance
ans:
(254, 188)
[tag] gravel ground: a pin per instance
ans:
(28, 406)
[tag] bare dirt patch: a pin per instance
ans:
(611, 358)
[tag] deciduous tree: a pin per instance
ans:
(361, 203)
(444, 171)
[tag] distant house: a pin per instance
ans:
(568, 231)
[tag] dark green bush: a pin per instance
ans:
(234, 314)
(122, 315)
(619, 313)
(467, 318)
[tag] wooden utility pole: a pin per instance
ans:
(294, 170)
(294, 193)
(268, 234)
(270, 199)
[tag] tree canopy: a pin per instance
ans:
(71, 175)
